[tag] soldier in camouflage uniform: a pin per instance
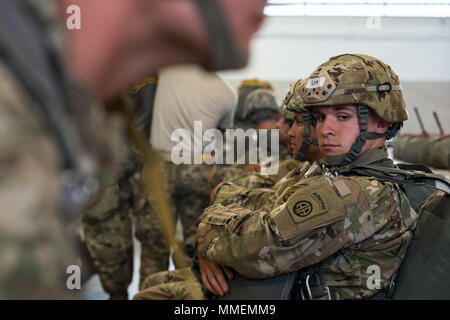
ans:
(335, 229)
(57, 147)
(107, 225)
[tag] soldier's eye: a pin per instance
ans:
(343, 116)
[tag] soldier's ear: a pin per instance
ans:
(376, 124)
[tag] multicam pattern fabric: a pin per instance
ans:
(190, 187)
(340, 225)
(263, 194)
(107, 227)
(179, 284)
(346, 79)
(108, 224)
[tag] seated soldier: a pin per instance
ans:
(335, 226)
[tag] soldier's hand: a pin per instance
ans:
(213, 276)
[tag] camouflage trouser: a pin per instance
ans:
(189, 187)
(108, 225)
(107, 228)
(180, 284)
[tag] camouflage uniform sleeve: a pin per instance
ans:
(230, 193)
(322, 217)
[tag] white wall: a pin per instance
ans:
(418, 50)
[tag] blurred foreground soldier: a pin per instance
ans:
(57, 150)
(336, 226)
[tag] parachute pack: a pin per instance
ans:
(432, 150)
(424, 273)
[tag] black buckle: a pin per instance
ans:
(380, 89)
(309, 291)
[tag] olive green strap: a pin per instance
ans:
(225, 52)
(401, 176)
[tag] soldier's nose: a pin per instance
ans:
(327, 127)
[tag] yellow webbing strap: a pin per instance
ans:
(152, 174)
(256, 83)
(143, 83)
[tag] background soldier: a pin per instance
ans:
(245, 88)
(107, 226)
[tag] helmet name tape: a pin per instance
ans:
(315, 82)
(318, 88)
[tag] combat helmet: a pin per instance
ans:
(292, 104)
(361, 80)
(261, 105)
(245, 88)
(286, 114)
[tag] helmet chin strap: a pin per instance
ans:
(225, 53)
(308, 121)
(364, 135)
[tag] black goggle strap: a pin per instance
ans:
(308, 121)
(355, 150)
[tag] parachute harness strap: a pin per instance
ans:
(223, 46)
(355, 150)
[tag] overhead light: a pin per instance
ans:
(359, 8)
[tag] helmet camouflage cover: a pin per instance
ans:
(286, 112)
(258, 101)
(292, 99)
(356, 79)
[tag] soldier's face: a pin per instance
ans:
(296, 139)
(338, 127)
(284, 126)
(295, 134)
